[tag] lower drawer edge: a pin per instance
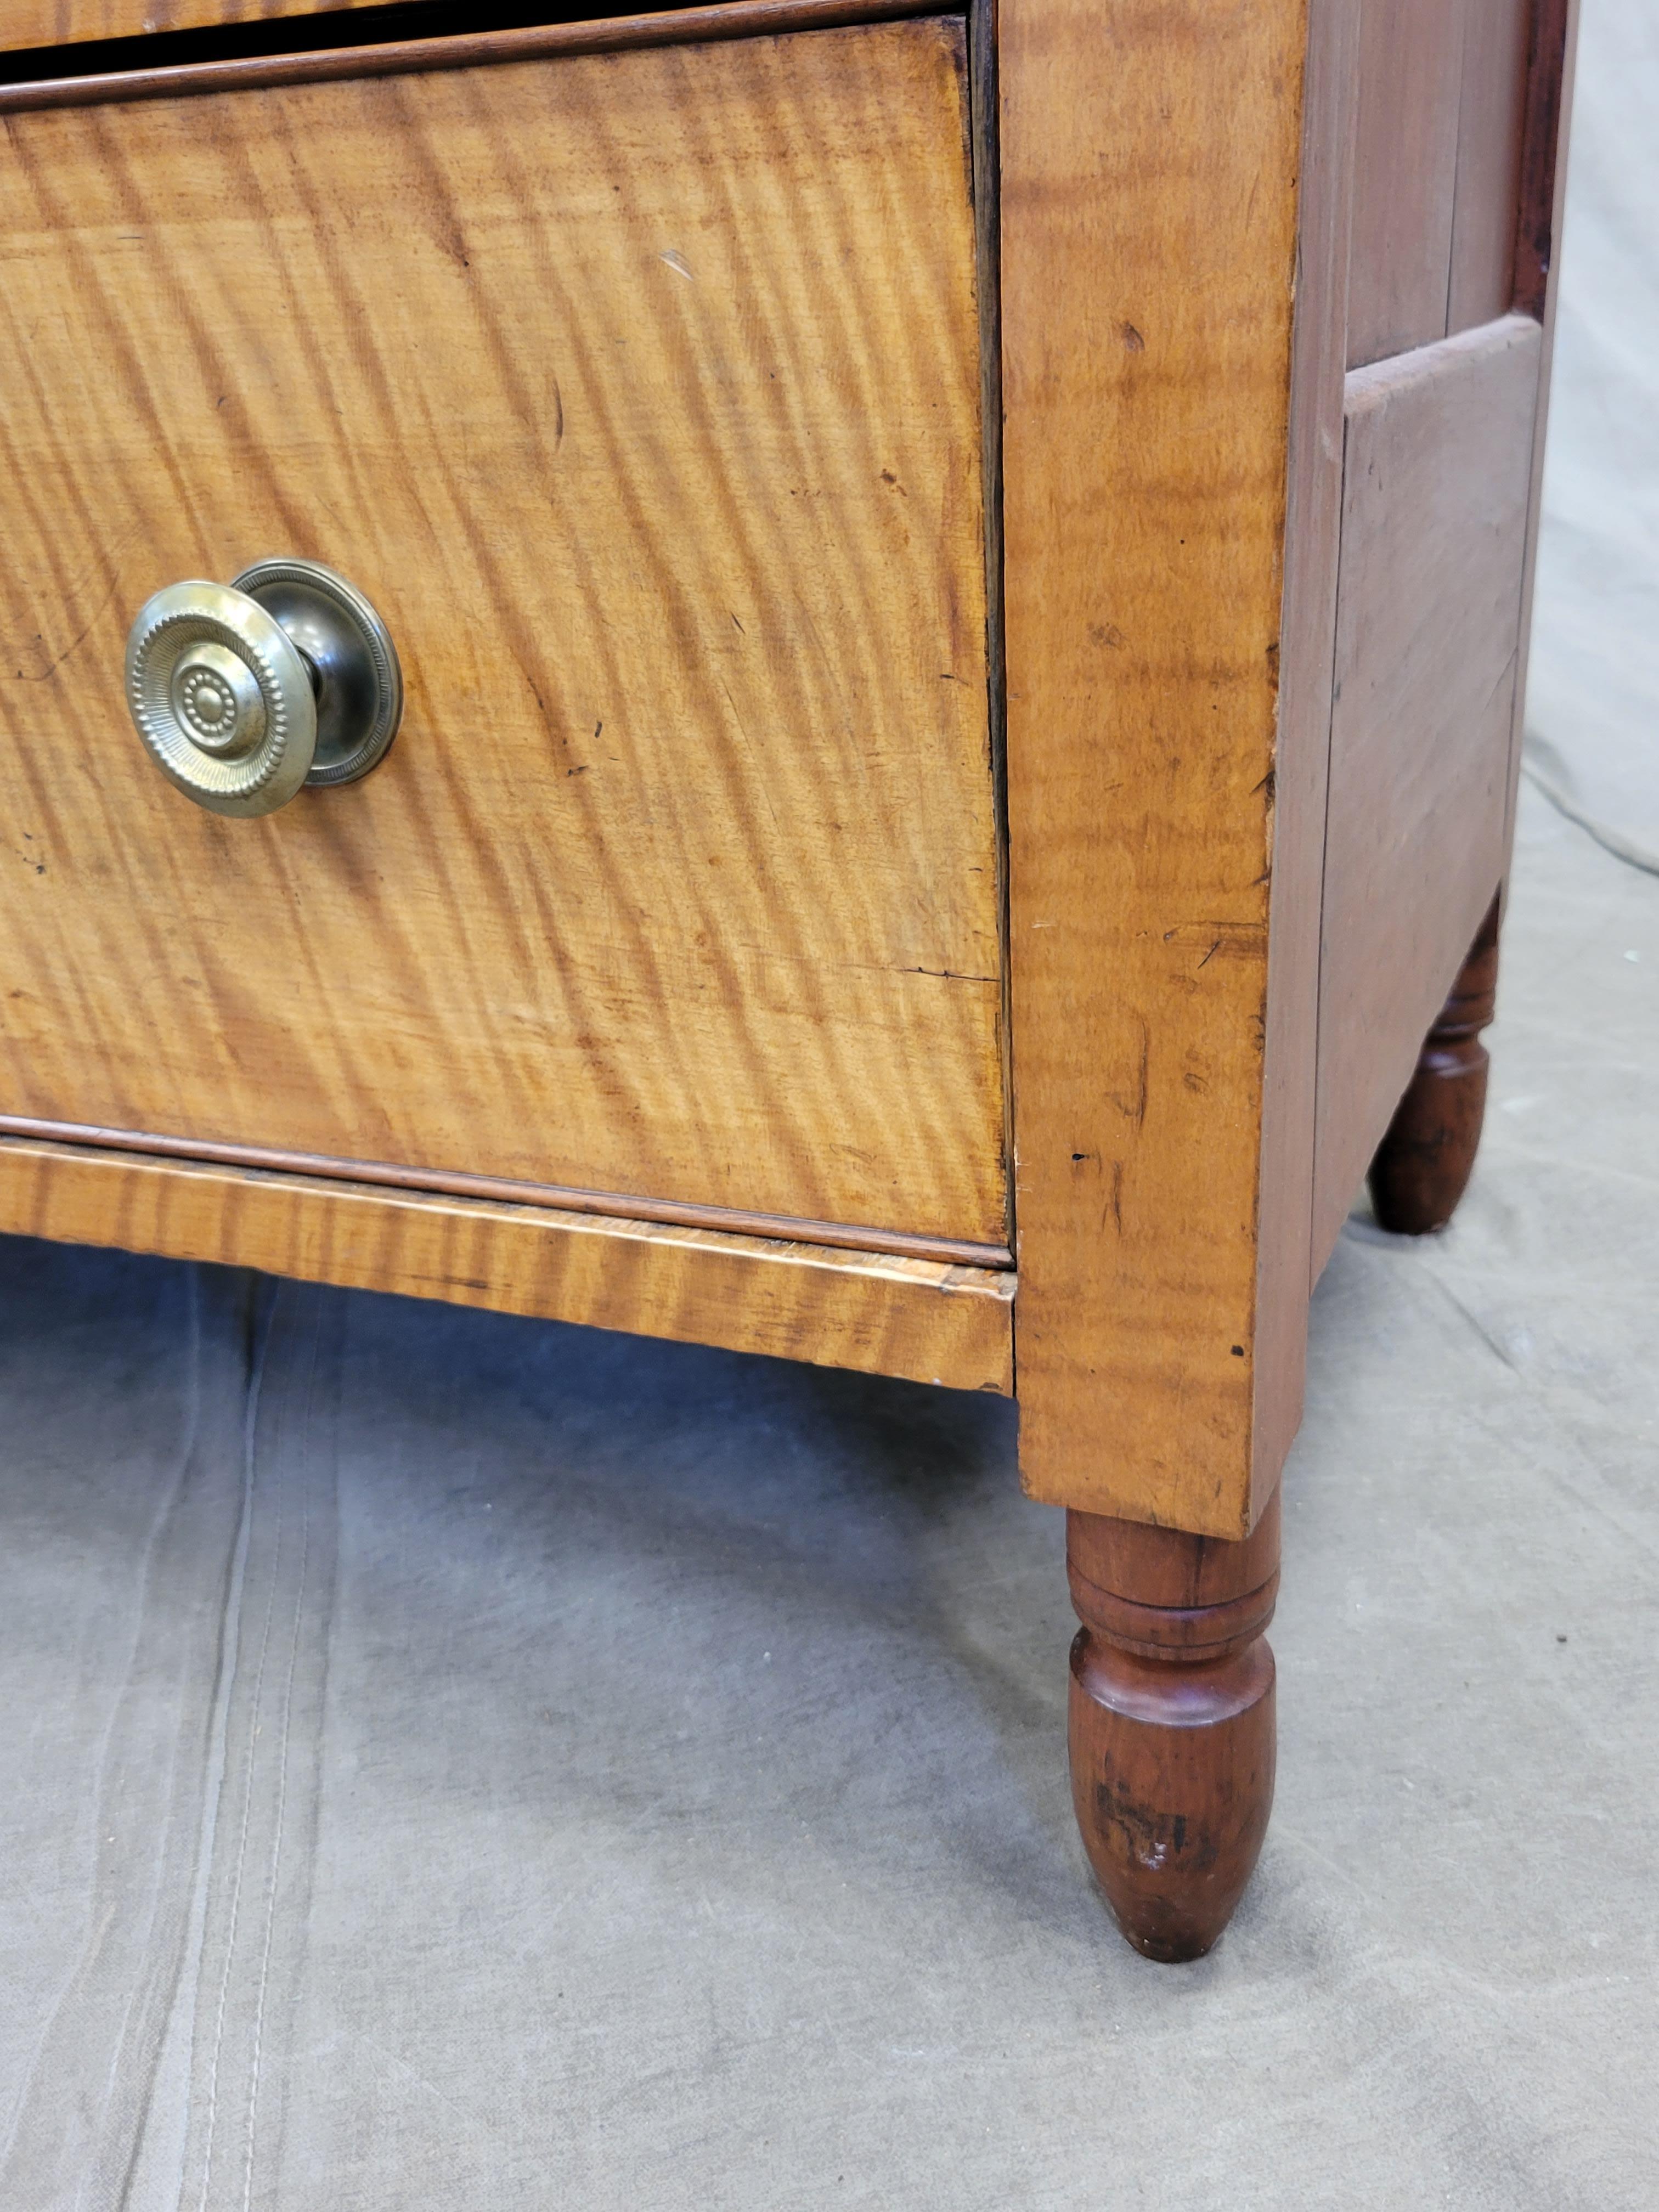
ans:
(924, 1320)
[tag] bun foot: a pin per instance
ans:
(1172, 1722)
(1423, 1163)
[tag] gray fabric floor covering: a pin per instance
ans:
(447, 1762)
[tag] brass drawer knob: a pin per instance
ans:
(243, 692)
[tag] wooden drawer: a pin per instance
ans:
(640, 392)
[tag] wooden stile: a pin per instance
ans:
(1148, 271)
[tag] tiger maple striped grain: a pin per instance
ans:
(1165, 1167)
(62, 22)
(640, 392)
(882, 1314)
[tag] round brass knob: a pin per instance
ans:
(244, 692)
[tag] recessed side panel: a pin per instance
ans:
(1438, 467)
(1442, 94)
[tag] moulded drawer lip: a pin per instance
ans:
(621, 1205)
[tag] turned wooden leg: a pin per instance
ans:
(1171, 1720)
(1423, 1166)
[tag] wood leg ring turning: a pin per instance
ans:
(1172, 1725)
(1423, 1163)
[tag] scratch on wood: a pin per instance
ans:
(1134, 1107)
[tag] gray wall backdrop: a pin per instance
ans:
(1592, 701)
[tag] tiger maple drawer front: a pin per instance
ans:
(62, 22)
(640, 394)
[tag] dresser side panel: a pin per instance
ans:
(1438, 470)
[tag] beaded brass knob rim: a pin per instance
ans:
(244, 693)
(220, 698)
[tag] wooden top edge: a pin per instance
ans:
(947, 1276)
(617, 1206)
(1378, 381)
(731, 19)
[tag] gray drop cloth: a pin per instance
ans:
(454, 1763)
(1593, 699)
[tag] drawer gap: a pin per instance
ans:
(401, 35)
(621, 1205)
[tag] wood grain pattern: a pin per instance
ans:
(681, 879)
(61, 22)
(413, 56)
(1172, 1722)
(1435, 478)
(1313, 523)
(1443, 108)
(988, 215)
(1553, 45)
(884, 1316)
(1411, 73)
(1491, 111)
(1148, 262)
(454, 1184)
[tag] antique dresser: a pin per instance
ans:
(819, 675)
